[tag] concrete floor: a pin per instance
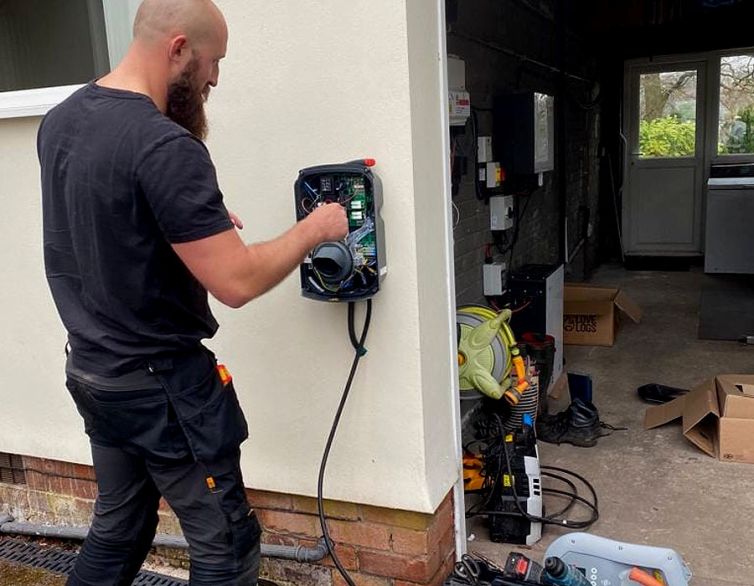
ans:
(654, 487)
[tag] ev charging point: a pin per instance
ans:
(352, 269)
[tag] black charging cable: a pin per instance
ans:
(358, 345)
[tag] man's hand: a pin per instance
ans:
(329, 222)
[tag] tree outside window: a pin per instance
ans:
(667, 126)
(736, 129)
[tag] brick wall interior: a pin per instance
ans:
(482, 33)
(378, 546)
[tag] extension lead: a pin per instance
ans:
(553, 519)
(358, 346)
(567, 523)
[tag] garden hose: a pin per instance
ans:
(488, 355)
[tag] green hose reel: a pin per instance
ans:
(488, 354)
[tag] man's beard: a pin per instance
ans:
(186, 102)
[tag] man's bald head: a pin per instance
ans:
(198, 20)
(177, 47)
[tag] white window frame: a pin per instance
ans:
(37, 102)
(712, 58)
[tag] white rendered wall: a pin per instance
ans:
(303, 83)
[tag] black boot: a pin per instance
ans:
(578, 425)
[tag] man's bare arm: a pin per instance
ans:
(236, 273)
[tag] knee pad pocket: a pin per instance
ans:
(245, 531)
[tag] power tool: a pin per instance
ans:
(520, 567)
(558, 573)
(612, 563)
(590, 563)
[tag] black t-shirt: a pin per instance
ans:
(120, 183)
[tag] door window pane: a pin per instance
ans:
(736, 131)
(667, 123)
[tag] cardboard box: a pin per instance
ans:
(718, 417)
(590, 317)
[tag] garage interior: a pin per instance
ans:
(613, 212)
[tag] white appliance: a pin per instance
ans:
(729, 238)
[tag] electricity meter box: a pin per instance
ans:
(459, 102)
(524, 132)
(350, 269)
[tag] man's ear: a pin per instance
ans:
(178, 48)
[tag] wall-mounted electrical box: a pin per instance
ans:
(351, 269)
(484, 149)
(490, 175)
(524, 132)
(494, 278)
(459, 105)
(459, 101)
(501, 212)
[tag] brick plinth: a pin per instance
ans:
(378, 546)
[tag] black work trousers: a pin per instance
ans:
(179, 438)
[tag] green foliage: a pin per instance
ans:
(740, 133)
(685, 110)
(667, 137)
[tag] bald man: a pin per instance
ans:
(135, 236)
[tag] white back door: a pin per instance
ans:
(664, 125)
